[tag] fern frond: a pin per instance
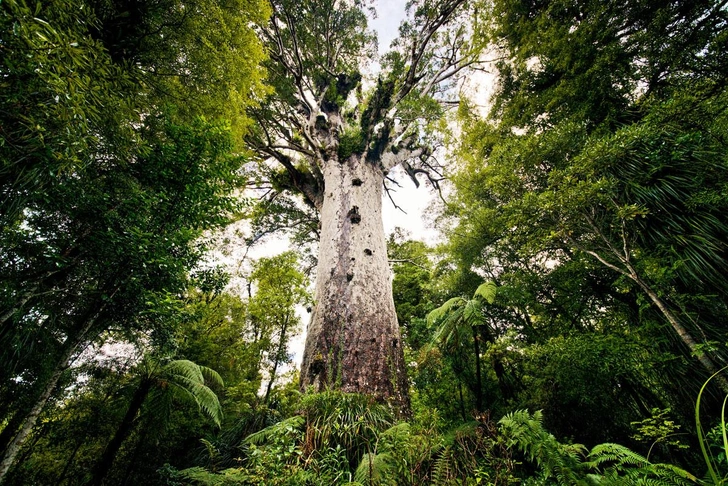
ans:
(376, 469)
(201, 394)
(626, 467)
(184, 369)
(473, 312)
(621, 455)
(212, 377)
(526, 433)
(278, 429)
(445, 308)
(442, 470)
(487, 291)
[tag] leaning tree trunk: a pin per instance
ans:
(353, 342)
(30, 418)
(72, 346)
(125, 428)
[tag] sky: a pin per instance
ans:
(389, 15)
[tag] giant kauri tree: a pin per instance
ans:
(329, 137)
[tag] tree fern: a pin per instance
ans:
(191, 379)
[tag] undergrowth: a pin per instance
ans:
(350, 440)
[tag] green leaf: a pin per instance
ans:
(487, 291)
(441, 311)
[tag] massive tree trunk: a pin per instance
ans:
(353, 342)
(334, 142)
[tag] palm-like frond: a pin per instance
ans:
(188, 378)
(487, 291)
(473, 312)
(212, 377)
(450, 327)
(606, 464)
(184, 368)
(459, 312)
(279, 429)
(396, 434)
(437, 314)
(675, 174)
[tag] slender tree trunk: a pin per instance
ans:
(683, 333)
(70, 459)
(70, 348)
(478, 379)
(10, 430)
(133, 461)
(629, 271)
(127, 425)
(353, 341)
(6, 315)
(28, 421)
(277, 360)
(462, 401)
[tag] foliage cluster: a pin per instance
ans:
(114, 163)
(305, 449)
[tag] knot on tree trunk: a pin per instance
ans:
(354, 215)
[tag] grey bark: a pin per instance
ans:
(353, 342)
(32, 416)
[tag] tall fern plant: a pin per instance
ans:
(157, 385)
(459, 317)
(571, 464)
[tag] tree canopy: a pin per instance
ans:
(568, 328)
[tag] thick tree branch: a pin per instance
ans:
(394, 157)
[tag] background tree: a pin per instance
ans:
(280, 288)
(102, 210)
(593, 182)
